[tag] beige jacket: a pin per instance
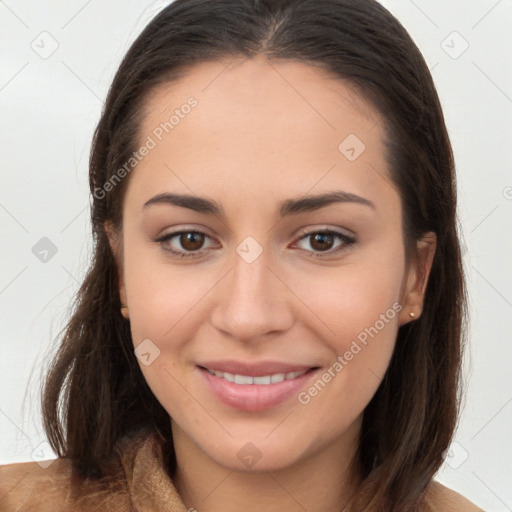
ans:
(137, 482)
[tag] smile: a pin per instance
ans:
(263, 379)
(254, 393)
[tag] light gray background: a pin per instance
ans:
(49, 106)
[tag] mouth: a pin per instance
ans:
(253, 393)
(263, 380)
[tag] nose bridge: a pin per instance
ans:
(251, 275)
(253, 300)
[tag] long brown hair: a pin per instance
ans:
(95, 392)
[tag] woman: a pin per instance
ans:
(274, 315)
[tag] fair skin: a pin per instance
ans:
(262, 134)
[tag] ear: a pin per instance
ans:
(116, 245)
(417, 277)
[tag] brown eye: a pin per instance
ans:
(184, 244)
(191, 240)
(322, 241)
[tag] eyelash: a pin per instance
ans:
(347, 241)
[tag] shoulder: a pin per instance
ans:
(443, 499)
(26, 484)
(52, 486)
(55, 485)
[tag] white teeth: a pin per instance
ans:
(228, 376)
(264, 379)
(243, 379)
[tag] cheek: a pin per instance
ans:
(357, 311)
(165, 308)
(163, 296)
(349, 299)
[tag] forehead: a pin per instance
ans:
(294, 90)
(262, 125)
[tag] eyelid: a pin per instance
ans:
(160, 239)
(348, 239)
(320, 228)
(338, 233)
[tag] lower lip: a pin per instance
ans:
(254, 397)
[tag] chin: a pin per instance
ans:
(249, 458)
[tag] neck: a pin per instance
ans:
(323, 482)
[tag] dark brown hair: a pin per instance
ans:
(95, 392)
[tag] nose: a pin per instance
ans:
(253, 301)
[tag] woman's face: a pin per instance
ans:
(276, 280)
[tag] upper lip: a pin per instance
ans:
(254, 369)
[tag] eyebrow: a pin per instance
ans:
(286, 208)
